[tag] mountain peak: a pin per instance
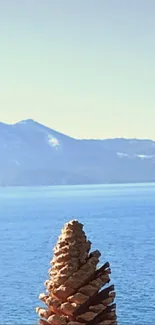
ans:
(26, 121)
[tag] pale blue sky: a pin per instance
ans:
(83, 67)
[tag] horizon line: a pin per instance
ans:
(86, 139)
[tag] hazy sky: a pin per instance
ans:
(83, 67)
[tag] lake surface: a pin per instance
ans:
(118, 219)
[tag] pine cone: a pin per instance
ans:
(74, 289)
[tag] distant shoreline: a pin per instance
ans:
(80, 185)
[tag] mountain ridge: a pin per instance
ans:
(29, 120)
(33, 154)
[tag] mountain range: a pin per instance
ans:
(32, 154)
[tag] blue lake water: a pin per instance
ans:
(118, 219)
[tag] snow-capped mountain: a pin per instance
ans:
(32, 154)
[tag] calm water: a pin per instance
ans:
(119, 220)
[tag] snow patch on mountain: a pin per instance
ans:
(53, 141)
(142, 156)
(122, 154)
